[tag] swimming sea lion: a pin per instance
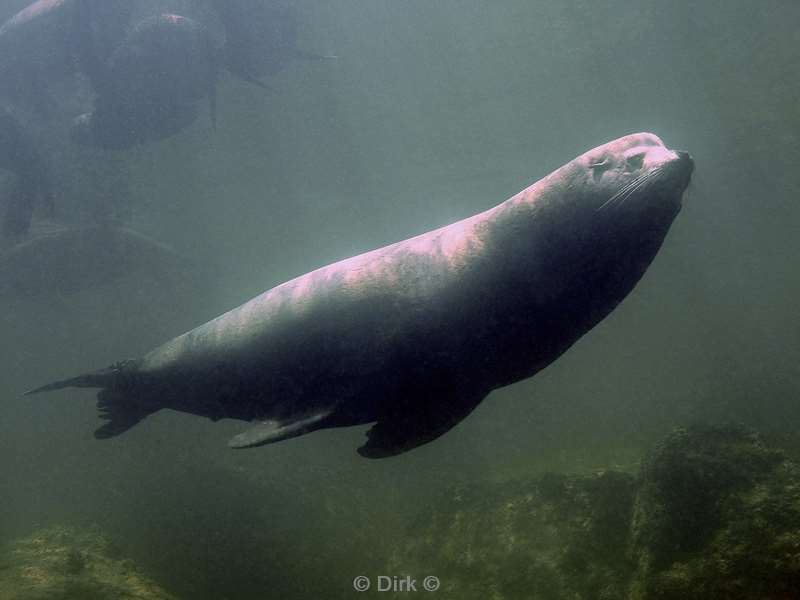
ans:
(416, 334)
(151, 84)
(168, 59)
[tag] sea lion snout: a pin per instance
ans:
(681, 168)
(646, 157)
(637, 166)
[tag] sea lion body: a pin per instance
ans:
(151, 85)
(166, 58)
(416, 334)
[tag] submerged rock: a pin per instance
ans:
(717, 515)
(554, 537)
(61, 563)
(713, 513)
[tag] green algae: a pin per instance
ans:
(713, 513)
(61, 563)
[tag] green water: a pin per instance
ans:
(433, 110)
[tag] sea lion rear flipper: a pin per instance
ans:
(401, 431)
(121, 404)
(119, 412)
(266, 432)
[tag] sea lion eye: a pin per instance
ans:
(635, 162)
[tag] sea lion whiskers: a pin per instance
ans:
(630, 188)
(626, 188)
(641, 182)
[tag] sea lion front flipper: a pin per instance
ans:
(266, 432)
(401, 431)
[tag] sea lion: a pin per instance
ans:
(166, 64)
(167, 59)
(414, 335)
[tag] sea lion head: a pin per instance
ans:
(627, 189)
(600, 219)
(634, 175)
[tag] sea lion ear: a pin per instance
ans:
(266, 432)
(599, 166)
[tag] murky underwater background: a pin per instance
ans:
(431, 111)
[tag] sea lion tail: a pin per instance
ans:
(118, 403)
(80, 381)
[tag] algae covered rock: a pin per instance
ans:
(717, 515)
(61, 563)
(552, 537)
(713, 514)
